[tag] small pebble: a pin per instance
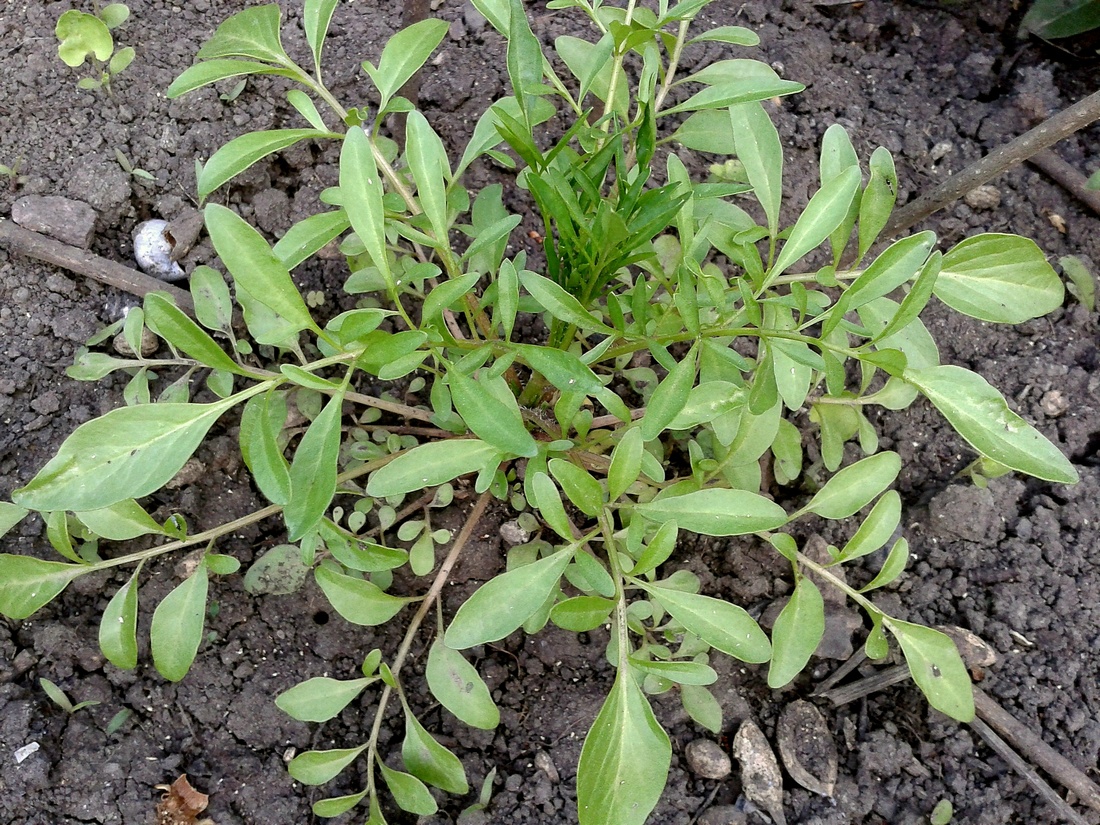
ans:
(723, 815)
(513, 534)
(1054, 403)
(707, 759)
(983, 198)
(149, 344)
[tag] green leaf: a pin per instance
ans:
(213, 303)
(735, 35)
(491, 419)
(494, 235)
(759, 149)
(876, 529)
(82, 35)
(114, 14)
(254, 267)
(362, 192)
(878, 199)
(707, 130)
(716, 512)
(320, 698)
(176, 630)
(308, 237)
(678, 671)
(980, 415)
(120, 522)
(118, 627)
(624, 761)
(261, 424)
(316, 16)
(1082, 284)
(445, 295)
(796, 633)
(318, 767)
(893, 567)
(278, 572)
(359, 601)
(252, 33)
(1000, 278)
(128, 453)
(313, 471)
(936, 667)
(211, 71)
(543, 496)
(241, 152)
(27, 583)
(669, 398)
(459, 687)
(168, 321)
(507, 303)
(409, 793)
(581, 613)
(658, 550)
(560, 303)
(855, 486)
(736, 93)
(702, 707)
(502, 604)
(10, 515)
(336, 805)
(562, 369)
(404, 54)
(120, 61)
(1054, 19)
(626, 463)
(826, 210)
(427, 160)
(581, 488)
(524, 58)
(723, 626)
(428, 760)
(589, 62)
(57, 533)
(430, 465)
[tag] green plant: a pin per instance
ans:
(744, 320)
(59, 698)
(14, 174)
(85, 36)
(1055, 19)
(130, 169)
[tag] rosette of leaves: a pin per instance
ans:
(686, 271)
(85, 36)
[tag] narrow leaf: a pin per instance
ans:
(492, 420)
(560, 303)
(936, 667)
(717, 512)
(362, 192)
(309, 236)
(118, 626)
(759, 149)
(169, 322)
(430, 465)
(316, 15)
(320, 698)
(823, 214)
(855, 486)
(318, 767)
(250, 33)
(669, 398)
(313, 471)
(459, 687)
(241, 152)
(724, 626)
(404, 54)
(211, 71)
(176, 631)
(428, 760)
(409, 793)
(359, 601)
(796, 633)
(27, 583)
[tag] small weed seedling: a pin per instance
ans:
(745, 322)
(87, 36)
(59, 698)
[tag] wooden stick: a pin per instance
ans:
(1069, 177)
(1038, 751)
(1046, 134)
(82, 262)
(1021, 767)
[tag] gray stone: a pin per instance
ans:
(707, 759)
(723, 815)
(69, 221)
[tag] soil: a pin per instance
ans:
(938, 84)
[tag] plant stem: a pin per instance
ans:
(1046, 134)
(414, 625)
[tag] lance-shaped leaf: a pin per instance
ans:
(562, 369)
(936, 667)
(241, 152)
(797, 632)
(313, 471)
(855, 486)
(459, 687)
(308, 236)
(624, 761)
(626, 463)
(560, 303)
(669, 398)
(717, 512)
(128, 453)
(428, 760)
(980, 415)
(118, 627)
(878, 199)
(876, 529)
(409, 793)
(823, 214)
(724, 626)
(359, 601)
(428, 163)
(320, 698)
(1000, 278)
(404, 54)
(758, 147)
(27, 583)
(252, 33)
(494, 420)
(505, 602)
(254, 266)
(10, 515)
(318, 767)
(316, 16)
(120, 522)
(430, 465)
(581, 488)
(362, 193)
(211, 71)
(169, 322)
(261, 423)
(176, 631)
